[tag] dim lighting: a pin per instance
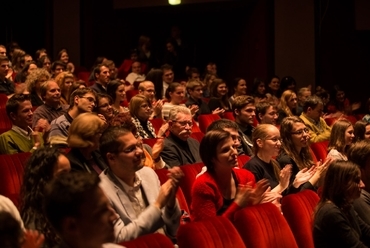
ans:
(174, 2)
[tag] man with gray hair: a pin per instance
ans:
(179, 148)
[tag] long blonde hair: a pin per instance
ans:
(284, 99)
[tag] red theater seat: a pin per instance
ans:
(11, 175)
(206, 120)
(3, 100)
(320, 149)
(130, 94)
(298, 210)
(217, 232)
(157, 123)
(190, 171)
(242, 160)
(264, 226)
(155, 240)
(229, 116)
(197, 135)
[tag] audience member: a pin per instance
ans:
(336, 224)
(65, 81)
(219, 99)
(167, 78)
(207, 83)
(273, 90)
(135, 75)
(21, 138)
(259, 91)
(26, 70)
(33, 85)
(340, 139)
(45, 63)
(134, 190)
(79, 211)
(303, 94)
(43, 165)
(156, 77)
(311, 116)
(193, 74)
(175, 93)
(116, 90)
(83, 139)
(239, 88)
(179, 147)
(361, 131)
(288, 105)
(57, 67)
(104, 107)
(147, 89)
(101, 76)
(6, 85)
(288, 83)
(266, 113)
(64, 57)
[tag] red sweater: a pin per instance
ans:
(207, 198)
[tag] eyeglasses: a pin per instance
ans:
(150, 91)
(90, 99)
(275, 140)
(184, 123)
(300, 132)
(144, 106)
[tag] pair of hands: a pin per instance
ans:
(218, 111)
(247, 195)
(167, 192)
(32, 239)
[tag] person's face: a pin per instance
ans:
(196, 93)
(241, 89)
(64, 57)
(112, 72)
(292, 102)
(42, 54)
(306, 94)
(121, 93)
(68, 82)
(354, 190)
(340, 96)
(315, 113)
(4, 68)
(2, 51)
(52, 95)
(222, 89)
(62, 166)
(94, 224)
(261, 88)
(234, 135)
(103, 76)
(105, 108)
(275, 84)
(31, 68)
(195, 76)
(23, 117)
(136, 67)
(178, 95)
(129, 156)
(245, 115)
(58, 69)
(46, 65)
(181, 126)
(27, 59)
(85, 103)
(349, 135)
(272, 143)
(149, 90)
(367, 132)
(270, 117)
(144, 112)
(227, 154)
(300, 135)
(168, 76)
(133, 56)
(170, 47)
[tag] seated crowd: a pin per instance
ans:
(96, 146)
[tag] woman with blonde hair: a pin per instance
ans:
(296, 151)
(65, 81)
(83, 139)
(341, 137)
(288, 105)
(266, 144)
(33, 85)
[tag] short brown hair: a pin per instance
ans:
(240, 102)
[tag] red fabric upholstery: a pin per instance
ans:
(11, 175)
(195, 127)
(242, 160)
(5, 123)
(155, 240)
(190, 171)
(313, 156)
(206, 120)
(330, 121)
(264, 226)
(124, 103)
(229, 115)
(130, 94)
(157, 123)
(84, 75)
(298, 210)
(3, 100)
(351, 118)
(217, 232)
(197, 135)
(320, 149)
(150, 142)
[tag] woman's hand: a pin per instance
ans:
(157, 108)
(246, 195)
(285, 175)
(218, 111)
(32, 239)
(162, 131)
(320, 171)
(303, 176)
(193, 109)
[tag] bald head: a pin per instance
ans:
(146, 88)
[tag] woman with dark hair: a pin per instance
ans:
(273, 90)
(44, 62)
(64, 57)
(44, 164)
(116, 90)
(104, 107)
(26, 70)
(341, 137)
(155, 76)
(239, 88)
(336, 224)
(207, 82)
(259, 90)
(223, 189)
(296, 151)
(288, 105)
(219, 97)
(339, 104)
(361, 131)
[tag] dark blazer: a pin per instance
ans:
(174, 154)
(79, 163)
(98, 88)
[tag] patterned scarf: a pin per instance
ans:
(140, 129)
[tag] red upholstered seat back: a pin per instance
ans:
(197, 135)
(229, 115)
(5, 123)
(3, 100)
(320, 149)
(155, 240)
(330, 121)
(130, 94)
(150, 142)
(11, 175)
(195, 128)
(206, 120)
(298, 210)
(190, 171)
(157, 123)
(264, 226)
(217, 232)
(242, 160)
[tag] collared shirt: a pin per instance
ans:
(135, 194)
(316, 123)
(22, 132)
(49, 113)
(165, 86)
